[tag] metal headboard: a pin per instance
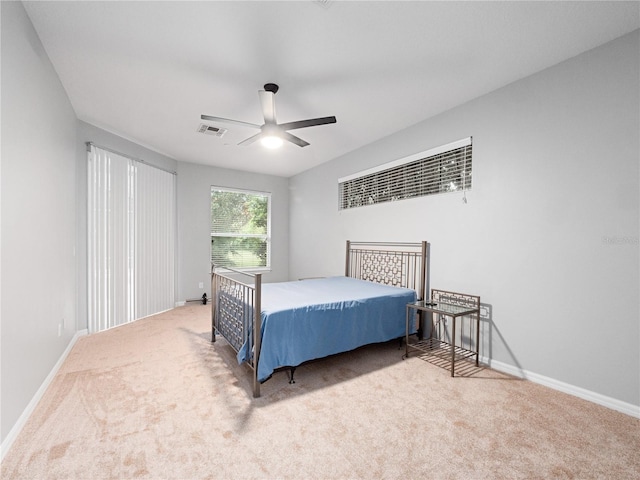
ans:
(397, 264)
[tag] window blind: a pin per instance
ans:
(444, 169)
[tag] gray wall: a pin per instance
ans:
(549, 236)
(38, 263)
(194, 192)
(194, 200)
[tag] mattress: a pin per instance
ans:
(309, 319)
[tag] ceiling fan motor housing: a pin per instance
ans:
(271, 87)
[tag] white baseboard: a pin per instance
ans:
(612, 403)
(182, 303)
(22, 420)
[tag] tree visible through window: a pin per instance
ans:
(240, 226)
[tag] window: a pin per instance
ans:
(240, 228)
(439, 170)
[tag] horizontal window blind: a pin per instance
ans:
(445, 169)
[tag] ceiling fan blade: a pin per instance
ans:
(307, 123)
(267, 100)
(226, 120)
(251, 139)
(293, 139)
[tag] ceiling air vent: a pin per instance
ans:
(209, 130)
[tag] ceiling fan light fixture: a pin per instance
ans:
(271, 141)
(272, 134)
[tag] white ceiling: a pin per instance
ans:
(147, 70)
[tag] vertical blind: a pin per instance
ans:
(131, 239)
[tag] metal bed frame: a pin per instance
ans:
(236, 296)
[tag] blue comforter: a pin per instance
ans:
(310, 319)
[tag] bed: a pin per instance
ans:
(284, 324)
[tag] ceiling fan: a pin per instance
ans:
(271, 132)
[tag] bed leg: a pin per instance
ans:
(292, 371)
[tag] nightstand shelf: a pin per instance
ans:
(448, 345)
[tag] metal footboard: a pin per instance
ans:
(236, 313)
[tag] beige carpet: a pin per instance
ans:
(155, 399)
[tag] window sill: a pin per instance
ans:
(255, 270)
(250, 269)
